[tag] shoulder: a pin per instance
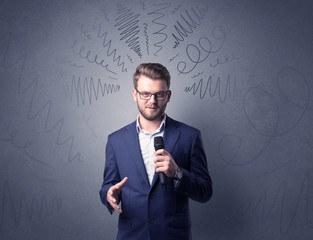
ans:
(120, 132)
(183, 126)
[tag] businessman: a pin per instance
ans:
(151, 207)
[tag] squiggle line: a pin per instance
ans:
(198, 87)
(21, 61)
(108, 45)
(127, 22)
(192, 23)
(87, 89)
(171, 59)
(160, 32)
(31, 209)
(147, 37)
(197, 75)
(280, 201)
(130, 59)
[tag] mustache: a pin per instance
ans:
(152, 105)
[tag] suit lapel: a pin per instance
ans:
(131, 137)
(171, 136)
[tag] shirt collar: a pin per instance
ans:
(160, 129)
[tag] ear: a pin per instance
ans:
(169, 95)
(134, 92)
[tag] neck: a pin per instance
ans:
(148, 125)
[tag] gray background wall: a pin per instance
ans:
(241, 73)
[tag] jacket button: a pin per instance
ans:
(151, 220)
(151, 196)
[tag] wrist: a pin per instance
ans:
(178, 174)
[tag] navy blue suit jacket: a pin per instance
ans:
(148, 211)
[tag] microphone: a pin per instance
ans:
(159, 144)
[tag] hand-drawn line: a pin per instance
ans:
(127, 22)
(192, 23)
(197, 75)
(283, 75)
(84, 31)
(194, 54)
(88, 56)
(305, 107)
(171, 59)
(176, 8)
(27, 209)
(147, 37)
(227, 58)
(130, 59)
(88, 89)
(159, 15)
(75, 65)
(92, 128)
(286, 220)
(107, 44)
(204, 85)
(21, 62)
(142, 3)
(105, 14)
(25, 149)
(113, 78)
(272, 130)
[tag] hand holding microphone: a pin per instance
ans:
(164, 163)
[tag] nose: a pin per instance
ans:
(153, 99)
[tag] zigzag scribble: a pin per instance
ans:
(192, 23)
(127, 22)
(87, 89)
(24, 208)
(20, 64)
(107, 44)
(201, 87)
(160, 15)
(147, 37)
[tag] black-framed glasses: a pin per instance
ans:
(147, 95)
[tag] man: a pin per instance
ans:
(150, 211)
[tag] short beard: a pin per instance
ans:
(154, 117)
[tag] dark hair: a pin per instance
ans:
(154, 71)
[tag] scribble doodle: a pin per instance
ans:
(171, 59)
(177, 8)
(107, 44)
(200, 73)
(75, 65)
(89, 56)
(206, 86)
(88, 89)
(24, 208)
(142, 3)
(287, 214)
(195, 53)
(159, 14)
(226, 59)
(25, 148)
(130, 59)
(127, 22)
(147, 37)
(186, 28)
(20, 63)
(92, 128)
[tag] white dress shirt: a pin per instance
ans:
(146, 141)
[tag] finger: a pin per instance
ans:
(121, 183)
(116, 207)
(159, 152)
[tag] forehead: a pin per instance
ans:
(150, 85)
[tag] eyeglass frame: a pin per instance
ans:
(155, 94)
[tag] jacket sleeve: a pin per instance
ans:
(196, 182)
(110, 176)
